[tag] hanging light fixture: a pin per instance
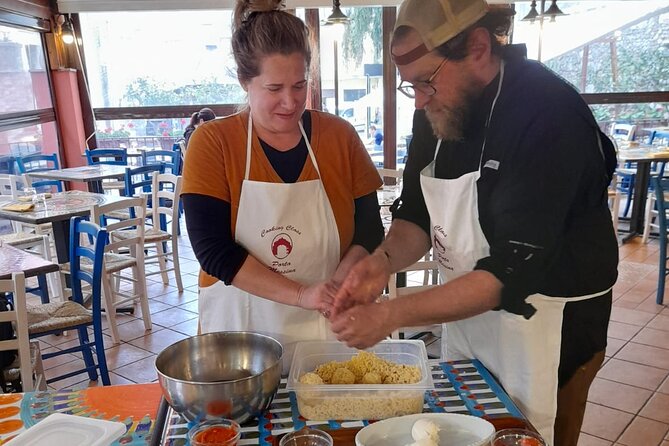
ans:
(533, 14)
(553, 11)
(66, 33)
(337, 16)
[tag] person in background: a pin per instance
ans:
(280, 201)
(377, 137)
(198, 118)
(506, 182)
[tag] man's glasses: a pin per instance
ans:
(425, 87)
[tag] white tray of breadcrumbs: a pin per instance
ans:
(334, 382)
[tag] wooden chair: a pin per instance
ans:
(614, 197)
(109, 157)
(40, 163)
(427, 267)
(165, 199)
(30, 237)
(125, 250)
(26, 372)
(86, 265)
(661, 187)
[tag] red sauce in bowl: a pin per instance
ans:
(216, 435)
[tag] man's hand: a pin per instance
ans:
(319, 296)
(365, 282)
(363, 325)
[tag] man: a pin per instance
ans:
(377, 137)
(511, 197)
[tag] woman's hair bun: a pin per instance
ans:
(247, 7)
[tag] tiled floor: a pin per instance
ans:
(628, 402)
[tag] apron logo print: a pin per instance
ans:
(437, 244)
(282, 245)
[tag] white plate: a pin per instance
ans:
(456, 430)
(70, 430)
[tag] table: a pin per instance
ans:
(135, 405)
(464, 387)
(92, 175)
(643, 157)
(14, 260)
(58, 210)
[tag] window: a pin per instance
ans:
(27, 118)
(620, 47)
(140, 59)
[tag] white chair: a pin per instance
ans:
(121, 253)
(426, 266)
(623, 132)
(614, 202)
(165, 197)
(29, 237)
(390, 173)
(28, 365)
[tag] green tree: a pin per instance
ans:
(146, 92)
(642, 62)
(365, 22)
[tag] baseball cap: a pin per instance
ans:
(437, 22)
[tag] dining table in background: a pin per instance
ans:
(14, 260)
(58, 210)
(643, 157)
(91, 175)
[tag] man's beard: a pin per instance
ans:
(449, 121)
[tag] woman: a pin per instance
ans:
(280, 202)
(198, 118)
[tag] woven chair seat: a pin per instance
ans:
(113, 262)
(152, 235)
(119, 215)
(57, 316)
(19, 238)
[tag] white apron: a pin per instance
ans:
(290, 228)
(523, 354)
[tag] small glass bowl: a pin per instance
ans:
(307, 437)
(517, 437)
(212, 424)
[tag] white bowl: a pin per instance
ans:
(455, 430)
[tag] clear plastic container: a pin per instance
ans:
(358, 401)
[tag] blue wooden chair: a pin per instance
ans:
(40, 163)
(138, 180)
(110, 157)
(661, 186)
(54, 317)
(171, 159)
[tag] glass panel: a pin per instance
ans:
(140, 134)
(619, 47)
(360, 73)
(41, 138)
(24, 81)
(160, 58)
(651, 120)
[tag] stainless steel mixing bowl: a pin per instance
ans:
(220, 375)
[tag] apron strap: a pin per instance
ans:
(248, 148)
(492, 109)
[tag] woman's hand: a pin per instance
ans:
(319, 296)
